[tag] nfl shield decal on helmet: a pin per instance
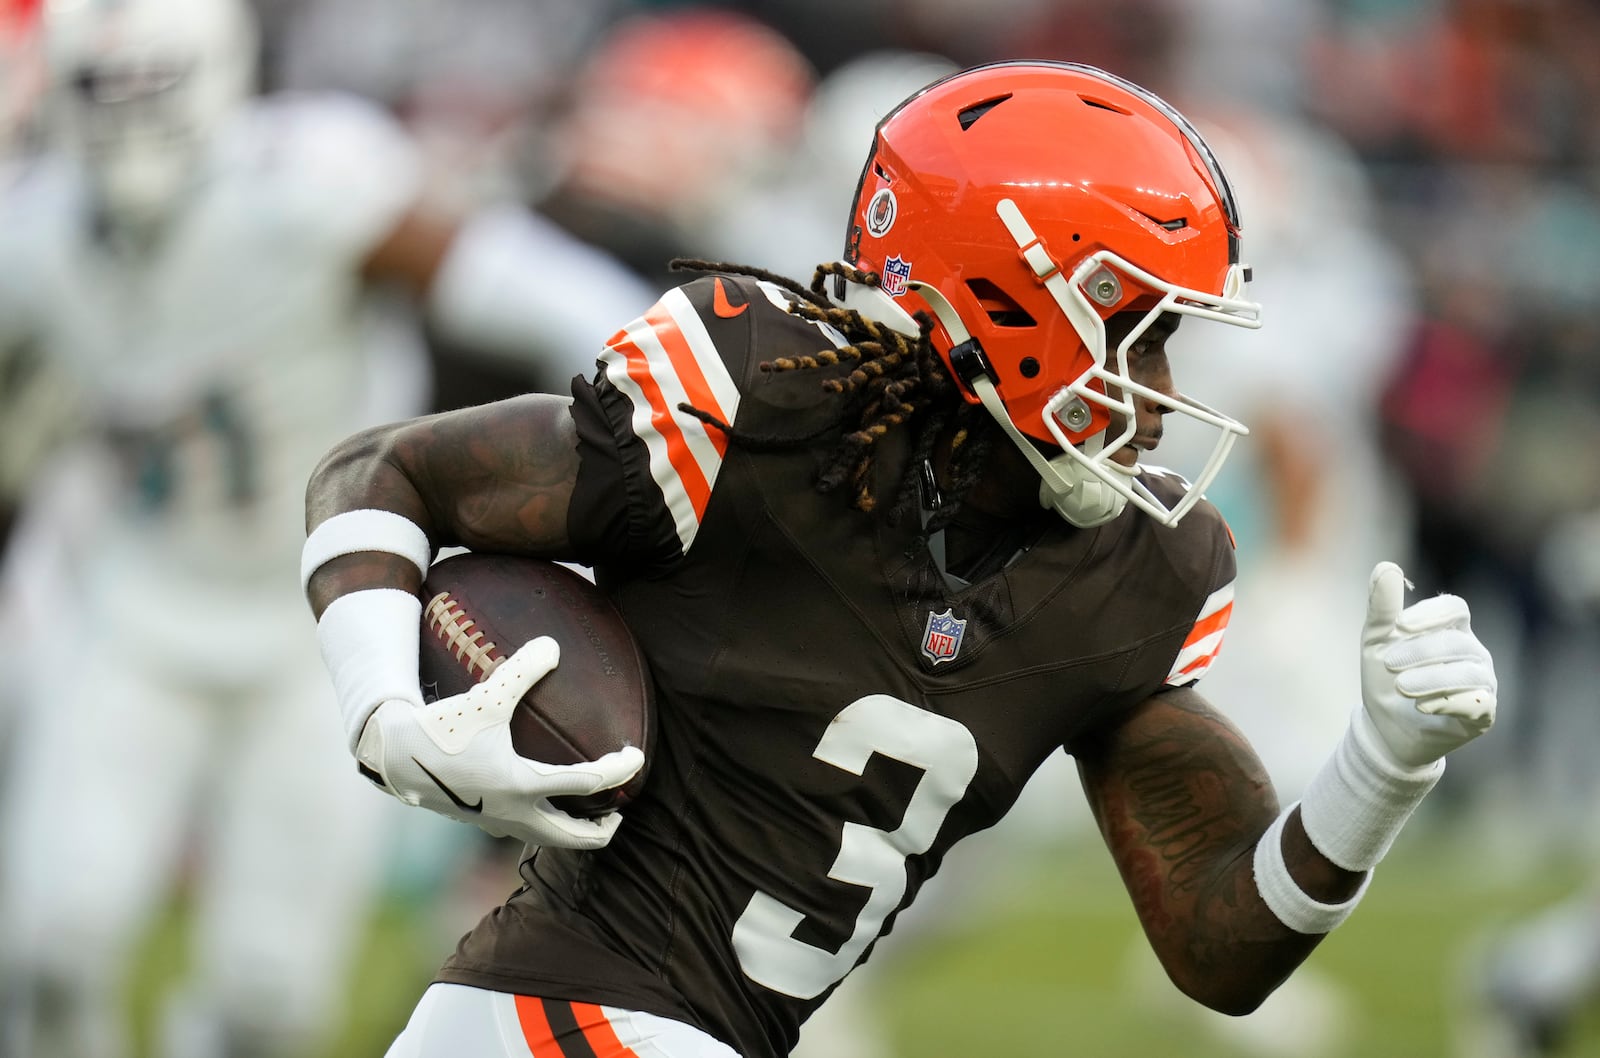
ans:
(895, 274)
(941, 639)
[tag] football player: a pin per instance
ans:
(712, 96)
(888, 542)
(199, 262)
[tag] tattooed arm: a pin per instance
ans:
(1181, 800)
(496, 477)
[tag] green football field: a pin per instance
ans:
(1046, 963)
(1061, 971)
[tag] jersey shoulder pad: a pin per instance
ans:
(699, 363)
(796, 360)
(720, 343)
(1200, 548)
(1199, 554)
(332, 168)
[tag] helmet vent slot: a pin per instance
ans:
(1001, 308)
(970, 115)
(1102, 104)
(1177, 224)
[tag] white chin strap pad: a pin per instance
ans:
(1066, 486)
(1090, 501)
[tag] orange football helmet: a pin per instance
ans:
(1021, 204)
(677, 111)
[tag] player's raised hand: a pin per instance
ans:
(1427, 683)
(455, 757)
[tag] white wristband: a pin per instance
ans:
(1285, 898)
(1354, 807)
(364, 530)
(370, 642)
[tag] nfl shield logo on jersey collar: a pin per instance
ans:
(941, 637)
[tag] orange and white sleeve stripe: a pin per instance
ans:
(662, 359)
(1204, 642)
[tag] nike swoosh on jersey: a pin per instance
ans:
(454, 797)
(720, 303)
(1204, 641)
(663, 359)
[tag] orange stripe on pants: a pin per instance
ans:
(598, 1031)
(536, 1028)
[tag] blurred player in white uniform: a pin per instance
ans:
(197, 260)
(1530, 987)
(1312, 501)
(1309, 499)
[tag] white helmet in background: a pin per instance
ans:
(139, 87)
(845, 111)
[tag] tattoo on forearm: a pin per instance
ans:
(1186, 799)
(1181, 799)
(1184, 833)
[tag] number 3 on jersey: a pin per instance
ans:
(945, 751)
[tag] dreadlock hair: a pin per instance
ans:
(897, 382)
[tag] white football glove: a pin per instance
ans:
(455, 757)
(1427, 684)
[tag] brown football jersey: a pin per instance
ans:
(834, 713)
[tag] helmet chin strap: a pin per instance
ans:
(876, 304)
(1065, 485)
(1090, 503)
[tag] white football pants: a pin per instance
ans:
(455, 1021)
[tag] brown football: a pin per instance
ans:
(479, 608)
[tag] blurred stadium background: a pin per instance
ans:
(1420, 182)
